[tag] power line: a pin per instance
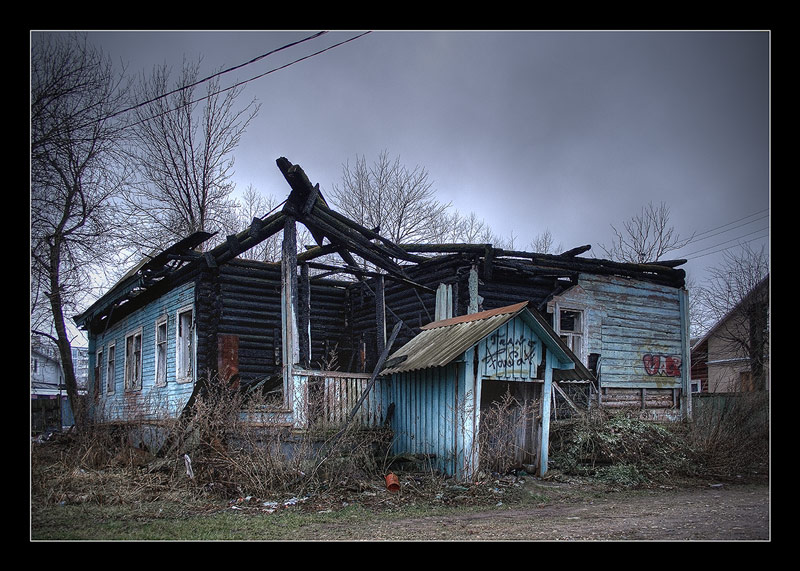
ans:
(210, 77)
(694, 257)
(698, 237)
(726, 241)
(240, 83)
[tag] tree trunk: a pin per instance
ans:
(64, 348)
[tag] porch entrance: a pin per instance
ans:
(509, 432)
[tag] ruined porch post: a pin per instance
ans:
(686, 358)
(474, 299)
(380, 314)
(547, 392)
(294, 390)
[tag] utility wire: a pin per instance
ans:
(240, 83)
(728, 247)
(210, 77)
(702, 235)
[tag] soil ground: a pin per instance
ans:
(527, 509)
(715, 512)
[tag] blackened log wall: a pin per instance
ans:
(498, 287)
(248, 306)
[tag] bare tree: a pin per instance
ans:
(646, 237)
(453, 227)
(75, 173)
(183, 152)
(254, 204)
(389, 196)
(543, 243)
(736, 297)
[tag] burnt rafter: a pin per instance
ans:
(307, 205)
(663, 272)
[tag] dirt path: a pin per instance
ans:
(722, 513)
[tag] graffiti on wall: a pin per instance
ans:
(662, 365)
(504, 352)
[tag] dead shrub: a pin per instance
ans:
(730, 433)
(505, 426)
(229, 454)
(619, 448)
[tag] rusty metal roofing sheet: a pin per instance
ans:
(442, 341)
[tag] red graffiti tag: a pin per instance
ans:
(662, 365)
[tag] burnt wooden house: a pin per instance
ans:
(311, 331)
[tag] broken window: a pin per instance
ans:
(570, 329)
(184, 346)
(161, 352)
(110, 369)
(133, 361)
(98, 367)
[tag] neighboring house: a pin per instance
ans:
(50, 408)
(183, 319)
(734, 354)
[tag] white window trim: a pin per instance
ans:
(138, 380)
(584, 341)
(180, 376)
(111, 373)
(159, 322)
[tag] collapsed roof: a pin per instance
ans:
(335, 233)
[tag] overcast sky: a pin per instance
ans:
(531, 130)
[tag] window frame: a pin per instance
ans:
(98, 368)
(111, 368)
(181, 342)
(135, 384)
(160, 368)
(570, 337)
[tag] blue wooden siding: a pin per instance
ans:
(429, 414)
(511, 353)
(636, 327)
(151, 401)
(438, 408)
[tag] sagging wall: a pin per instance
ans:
(133, 339)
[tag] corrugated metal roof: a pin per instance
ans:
(442, 341)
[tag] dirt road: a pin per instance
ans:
(713, 513)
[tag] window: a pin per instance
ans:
(110, 369)
(161, 352)
(98, 375)
(133, 361)
(184, 346)
(570, 329)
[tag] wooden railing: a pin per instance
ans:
(332, 396)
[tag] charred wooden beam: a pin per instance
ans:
(354, 269)
(576, 251)
(234, 245)
(255, 226)
(392, 249)
(304, 315)
(380, 314)
(446, 248)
